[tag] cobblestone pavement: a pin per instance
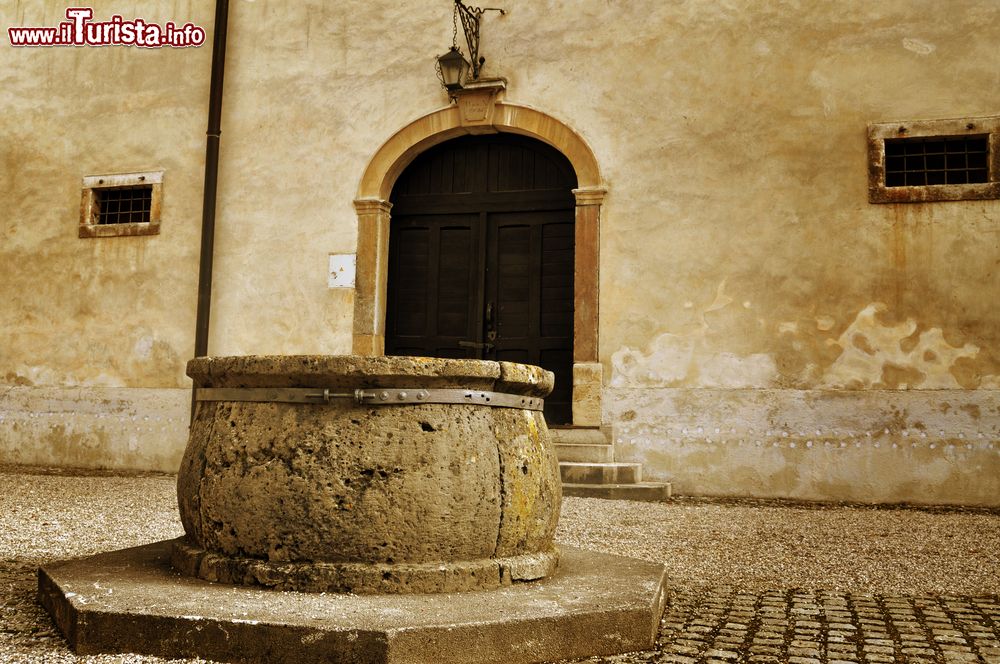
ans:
(723, 626)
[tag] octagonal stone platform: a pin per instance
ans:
(134, 601)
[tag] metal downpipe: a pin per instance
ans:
(214, 134)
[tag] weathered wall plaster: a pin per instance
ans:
(922, 446)
(94, 427)
(688, 358)
(102, 311)
(85, 318)
(873, 355)
(886, 420)
(868, 353)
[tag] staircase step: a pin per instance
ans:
(585, 453)
(578, 436)
(646, 491)
(587, 468)
(600, 473)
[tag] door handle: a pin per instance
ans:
(475, 344)
(489, 313)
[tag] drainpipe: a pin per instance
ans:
(211, 182)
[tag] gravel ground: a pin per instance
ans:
(757, 546)
(721, 556)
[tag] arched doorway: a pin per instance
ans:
(373, 214)
(481, 257)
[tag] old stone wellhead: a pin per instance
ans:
(368, 474)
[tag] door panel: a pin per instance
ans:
(433, 304)
(529, 275)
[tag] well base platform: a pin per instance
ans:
(134, 601)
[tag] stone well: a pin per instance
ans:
(368, 474)
(386, 481)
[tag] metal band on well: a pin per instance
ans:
(381, 396)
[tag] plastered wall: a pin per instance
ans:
(796, 340)
(747, 285)
(97, 330)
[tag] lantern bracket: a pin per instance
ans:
(471, 19)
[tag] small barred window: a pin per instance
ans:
(934, 160)
(124, 204)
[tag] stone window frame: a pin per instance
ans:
(482, 110)
(94, 183)
(879, 132)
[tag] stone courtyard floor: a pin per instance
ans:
(750, 581)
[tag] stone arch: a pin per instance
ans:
(397, 153)
(480, 111)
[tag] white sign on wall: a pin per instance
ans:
(342, 269)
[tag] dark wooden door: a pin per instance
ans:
(481, 258)
(434, 300)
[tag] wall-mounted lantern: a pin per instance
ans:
(452, 67)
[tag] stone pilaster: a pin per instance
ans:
(372, 274)
(587, 370)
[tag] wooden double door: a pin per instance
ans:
(481, 258)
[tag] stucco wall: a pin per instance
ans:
(743, 272)
(85, 318)
(778, 283)
(312, 90)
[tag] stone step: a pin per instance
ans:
(586, 465)
(578, 436)
(645, 491)
(600, 473)
(585, 453)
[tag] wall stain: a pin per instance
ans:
(685, 358)
(893, 356)
(972, 409)
(899, 238)
(878, 349)
(11, 378)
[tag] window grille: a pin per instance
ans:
(127, 205)
(936, 160)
